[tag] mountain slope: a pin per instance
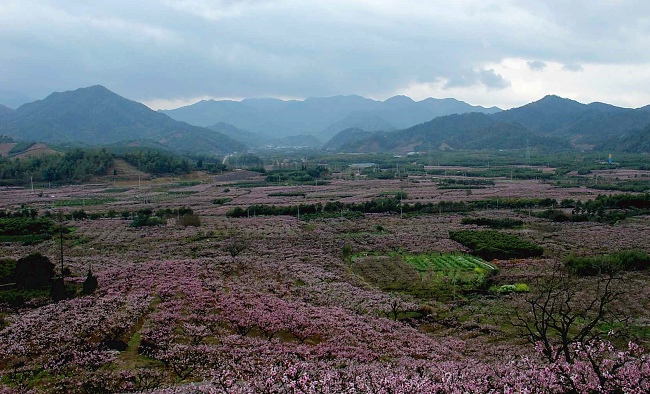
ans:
(586, 124)
(245, 137)
(209, 112)
(465, 131)
(347, 138)
(367, 121)
(5, 111)
(634, 142)
(97, 116)
(403, 112)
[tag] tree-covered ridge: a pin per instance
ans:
(464, 131)
(79, 165)
(74, 166)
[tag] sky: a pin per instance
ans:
(170, 53)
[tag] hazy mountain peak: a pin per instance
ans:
(401, 99)
(554, 99)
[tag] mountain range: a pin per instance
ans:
(321, 117)
(96, 116)
(552, 123)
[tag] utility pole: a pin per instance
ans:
(61, 239)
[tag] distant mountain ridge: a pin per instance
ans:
(322, 117)
(552, 123)
(97, 116)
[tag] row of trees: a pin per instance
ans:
(388, 204)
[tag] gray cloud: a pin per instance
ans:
(536, 65)
(157, 49)
(488, 78)
(572, 67)
(492, 80)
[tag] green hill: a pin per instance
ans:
(97, 116)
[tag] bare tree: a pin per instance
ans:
(236, 243)
(564, 311)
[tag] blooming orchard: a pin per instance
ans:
(177, 311)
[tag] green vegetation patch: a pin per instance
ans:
(143, 221)
(26, 230)
(430, 275)
(20, 147)
(624, 260)
(491, 244)
(625, 186)
(511, 288)
(448, 262)
(116, 190)
(83, 201)
(493, 223)
(74, 166)
(287, 194)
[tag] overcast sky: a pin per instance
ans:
(168, 53)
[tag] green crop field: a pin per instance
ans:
(436, 275)
(447, 262)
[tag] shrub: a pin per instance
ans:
(7, 269)
(506, 289)
(16, 298)
(515, 288)
(79, 214)
(19, 226)
(554, 215)
(33, 272)
(190, 220)
(57, 290)
(90, 284)
(143, 220)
